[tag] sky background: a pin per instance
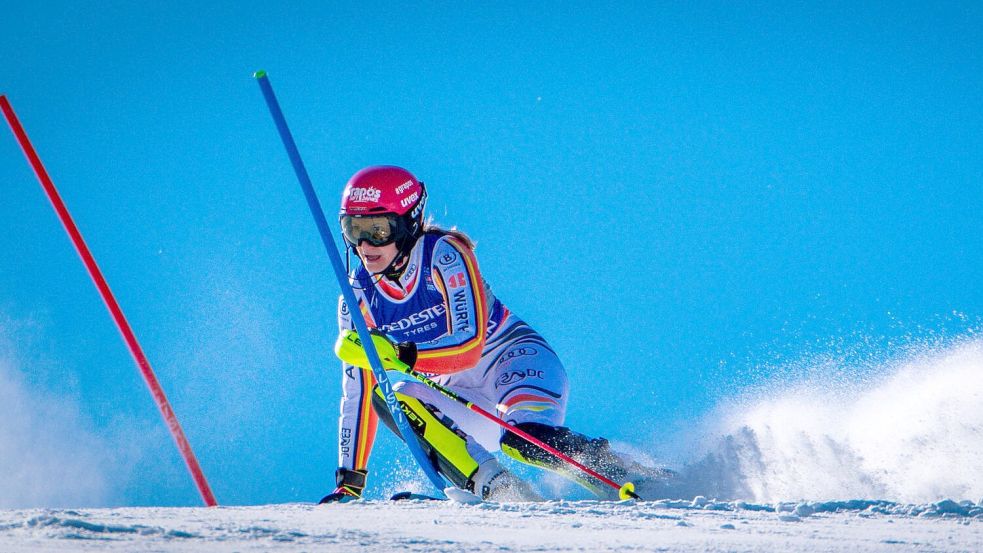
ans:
(685, 200)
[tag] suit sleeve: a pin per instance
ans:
(358, 422)
(456, 275)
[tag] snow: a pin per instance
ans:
(849, 526)
(911, 431)
(910, 435)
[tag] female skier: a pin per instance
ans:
(421, 287)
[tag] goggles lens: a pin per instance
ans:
(377, 230)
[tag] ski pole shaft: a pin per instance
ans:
(114, 309)
(357, 318)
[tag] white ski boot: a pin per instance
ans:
(493, 482)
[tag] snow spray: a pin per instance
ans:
(911, 431)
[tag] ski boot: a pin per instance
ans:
(493, 482)
(595, 453)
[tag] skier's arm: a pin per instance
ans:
(456, 275)
(357, 423)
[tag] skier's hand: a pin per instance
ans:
(350, 485)
(406, 352)
(349, 349)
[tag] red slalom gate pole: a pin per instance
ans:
(107, 296)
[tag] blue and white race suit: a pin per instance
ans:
(467, 341)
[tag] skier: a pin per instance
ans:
(421, 287)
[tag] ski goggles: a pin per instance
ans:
(378, 230)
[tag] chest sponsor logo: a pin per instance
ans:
(415, 319)
(369, 194)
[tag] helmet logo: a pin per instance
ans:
(369, 194)
(417, 210)
(409, 199)
(404, 187)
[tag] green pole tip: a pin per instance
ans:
(259, 74)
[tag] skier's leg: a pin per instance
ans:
(532, 387)
(453, 453)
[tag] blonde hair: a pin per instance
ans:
(430, 227)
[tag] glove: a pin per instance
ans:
(350, 485)
(406, 352)
(349, 349)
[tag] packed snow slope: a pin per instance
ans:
(697, 526)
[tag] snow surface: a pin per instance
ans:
(909, 432)
(696, 525)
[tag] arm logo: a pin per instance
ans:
(457, 281)
(447, 258)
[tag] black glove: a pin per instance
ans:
(350, 485)
(406, 351)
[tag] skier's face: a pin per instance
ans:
(376, 258)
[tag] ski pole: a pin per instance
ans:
(349, 346)
(359, 320)
(114, 309)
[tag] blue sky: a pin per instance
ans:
(680, 198)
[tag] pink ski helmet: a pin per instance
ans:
(383, 204)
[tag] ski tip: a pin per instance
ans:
(259, 74)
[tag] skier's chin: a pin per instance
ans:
(374, 263)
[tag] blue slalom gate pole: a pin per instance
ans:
(339, 268)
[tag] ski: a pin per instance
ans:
(454, 494)
(404, 496)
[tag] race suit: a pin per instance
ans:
(467, 341)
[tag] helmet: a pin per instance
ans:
(383, 204)
(382, 189)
